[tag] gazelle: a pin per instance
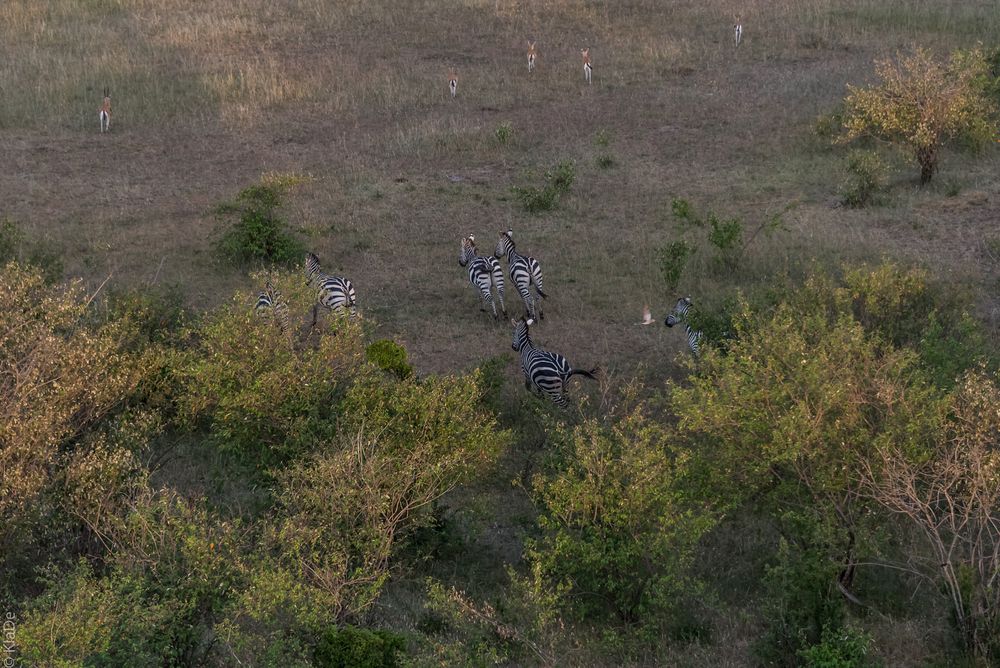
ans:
(453, 82)
(104, 113)
(738, 31)
(587, 68)
(532, 54)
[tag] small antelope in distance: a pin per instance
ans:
(532, 54)
(587, 68)
(453, 82)
(738, 32)
(104, 113)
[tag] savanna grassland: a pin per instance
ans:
(194, 491)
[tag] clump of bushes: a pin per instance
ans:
(389, 356)
(558, 182)
(868, 176)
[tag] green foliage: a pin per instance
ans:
(602, 138)
(684, 212)
(351, 647)
(606, 161)
(389, 356)
(558, 182)
(920, 104)
(843, 648)
(867, 179)
(259, 233)
(673, 258)
(504, 133)
(727, 237)
(802, 604)
(256, 395)
(619, 529)
(158, 313)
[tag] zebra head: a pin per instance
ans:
(468, 251)
(520, 337)
(312, 267)
(680, 310)
(505, 243)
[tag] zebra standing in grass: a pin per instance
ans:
(523, 271)
(485, 273)
(679, 314)
(335, 292)
(270, 303)
(546, 372)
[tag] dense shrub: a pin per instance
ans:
(351, 647)
(673, 258)
(618, 529)
(843, 648)
(867, 179)
(389, 356)
(259, 232)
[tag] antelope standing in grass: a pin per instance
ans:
(738, 32)
(587, 67)
(104, 113)
(453, 82)
(532, 55)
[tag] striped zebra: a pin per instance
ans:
(271, 304)
(546, 372)
(523, 271)
(485, 273)
(334, 292)
(678, 315)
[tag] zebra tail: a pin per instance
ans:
(587, 374)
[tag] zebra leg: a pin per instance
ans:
(526, 298)
(315, 314)
(497, 274)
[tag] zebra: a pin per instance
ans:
(546, 372)
(485, 273)
(679, 314)
(523, 271)
(335, 292)
(270, 303)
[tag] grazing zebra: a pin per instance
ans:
(523, 271)
(738, 32)
(546, 372)
(485, 273)
(532, 54)
(271, 303)
(335, 292)
(679, 314)
(588, 69)
(104, 112)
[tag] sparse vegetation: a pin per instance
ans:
(868, 177)
(558, 181)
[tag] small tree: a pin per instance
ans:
(919, 103)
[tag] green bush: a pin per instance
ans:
(727, 237)
(606, 161)
(618, 530)
(389, 356)
(683, 211)
(504, 133)
(842, 648)
(351, 647)
(558, 182)
(867, 179)
(673, 258)
(259, 233)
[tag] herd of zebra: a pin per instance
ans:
(545, 372)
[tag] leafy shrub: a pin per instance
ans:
(842, 648)
(558, 182)
(684, 212)
(389, 356)
(504, 133)
(727, 237)
(673, 258)
(606, 161)
(602, 138)
(920, 103)
(259, 233)
(351, 647)
(257, 396)
(868, 178)
(619, 535)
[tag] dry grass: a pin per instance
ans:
(209, 96)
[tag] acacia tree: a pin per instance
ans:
(919, 103)
(952, 496)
